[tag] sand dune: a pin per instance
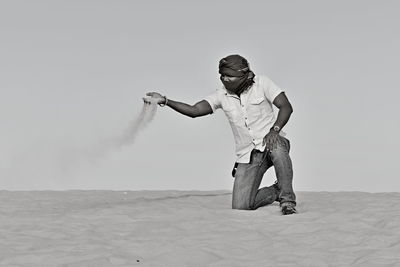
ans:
(195, 228)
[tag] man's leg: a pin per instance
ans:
(284, 172)
(248, 176)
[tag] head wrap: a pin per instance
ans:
(236, 66)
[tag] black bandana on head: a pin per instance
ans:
(236, 66)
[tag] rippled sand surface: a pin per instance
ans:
(196, 228)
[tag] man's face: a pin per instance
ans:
(229, 82)
(227, 78)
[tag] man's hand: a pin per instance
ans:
(154, 98)
(271, 140)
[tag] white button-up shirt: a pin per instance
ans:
(251, 115)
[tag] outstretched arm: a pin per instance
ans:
(199, 109)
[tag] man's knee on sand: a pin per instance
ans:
(243, 206)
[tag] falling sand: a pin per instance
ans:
(97, 151)
(145, 117)
(66, 157)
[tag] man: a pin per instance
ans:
(247, 101)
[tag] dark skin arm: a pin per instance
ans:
(272, 138)
(199, 109)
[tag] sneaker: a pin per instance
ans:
(288, 208)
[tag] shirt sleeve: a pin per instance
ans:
(271, 90)
(214, 100)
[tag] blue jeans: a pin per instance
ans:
(246, 193)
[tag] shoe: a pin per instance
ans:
(288, 208)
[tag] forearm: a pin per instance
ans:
(182, 108)
(283, 116)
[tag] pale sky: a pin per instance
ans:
(73, 74)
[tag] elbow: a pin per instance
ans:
(288, 108)
(194, 113)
